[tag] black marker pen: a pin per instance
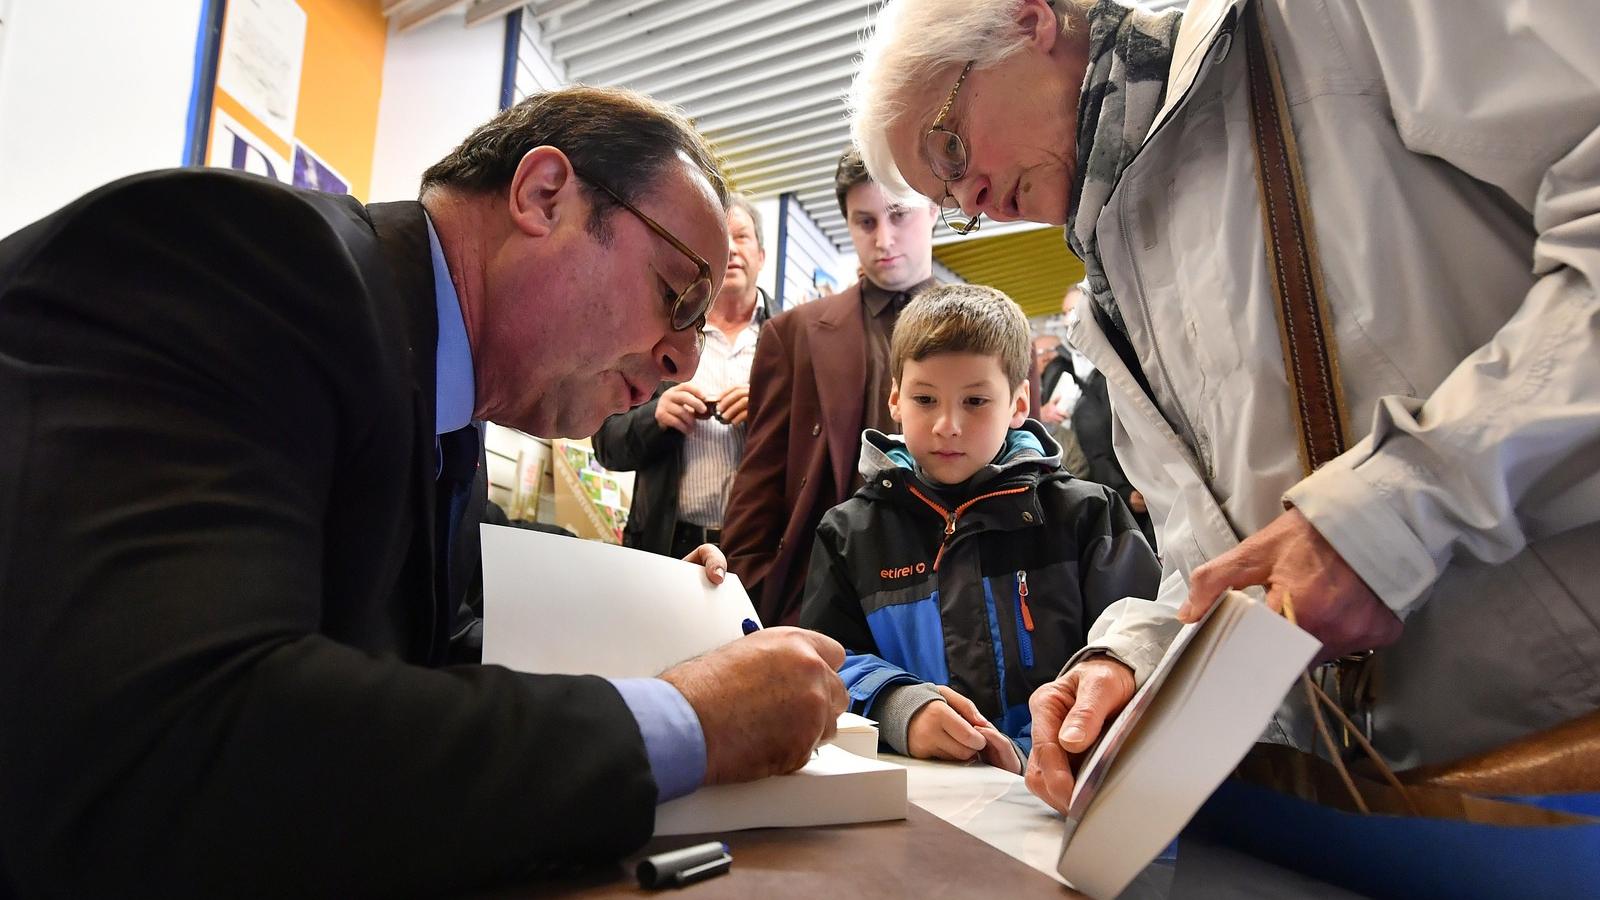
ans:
(680, 867)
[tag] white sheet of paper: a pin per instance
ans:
(1221, 686)
(565, 606)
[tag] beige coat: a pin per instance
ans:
(1452, 154)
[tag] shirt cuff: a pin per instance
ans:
(673, 741)
(1359, 522)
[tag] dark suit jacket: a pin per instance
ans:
(218, 604)
(1091, 423)
(632, 441)
(806, 415)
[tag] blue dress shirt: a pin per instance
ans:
(673, 741)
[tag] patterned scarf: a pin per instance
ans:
(1130, 51)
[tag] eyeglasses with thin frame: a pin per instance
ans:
(947, 158)
(690, 305)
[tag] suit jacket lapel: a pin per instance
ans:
(402, 233)
(838, 343)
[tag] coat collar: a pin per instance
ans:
(1204, 22)
(402, 235)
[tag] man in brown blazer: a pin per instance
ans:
(821, 375)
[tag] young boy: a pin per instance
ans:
(968, 568)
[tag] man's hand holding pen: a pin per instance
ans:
(764, 701)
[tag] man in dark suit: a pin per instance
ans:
(820, 376)
(237, 422)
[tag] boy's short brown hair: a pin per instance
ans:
(963, 318)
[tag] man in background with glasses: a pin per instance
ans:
(821, 375)
(238, 429)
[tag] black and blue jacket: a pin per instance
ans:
(988, 587)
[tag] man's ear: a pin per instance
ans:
(543, 190)
(1019, 405)
(894, 401)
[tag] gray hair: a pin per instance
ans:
(914, 40)
(741, 200)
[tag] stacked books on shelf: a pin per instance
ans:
(589, 499)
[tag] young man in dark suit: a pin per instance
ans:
(821, 376)
(236, 416)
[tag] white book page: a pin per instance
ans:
(565, 606)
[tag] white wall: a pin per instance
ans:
(536, 66)
(90, 91)
(440, 82)
(768, 208)
(5, 13)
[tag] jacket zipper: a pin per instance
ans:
(1201, 450)
(950, 516)
(1024, 621)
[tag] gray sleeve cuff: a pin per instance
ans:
(1360, 523)
(894, 708)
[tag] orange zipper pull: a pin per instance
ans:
(950, 525)
(1022, 600)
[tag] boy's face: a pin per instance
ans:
(955, 409)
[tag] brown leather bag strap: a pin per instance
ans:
(1310, 357)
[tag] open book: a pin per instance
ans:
(563, 606)
(1186, 728)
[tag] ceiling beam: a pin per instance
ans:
(756, 75)
(827, 146)
(626, 31)
(759, 57)
(807, 163)
(486, 10)
(777, 113)
(550, 12)
(650, 57)
(814, 85)
(419, 14)
(745, 131)
(835, 130)
(796, 178)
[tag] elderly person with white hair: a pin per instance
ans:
(1435, 217)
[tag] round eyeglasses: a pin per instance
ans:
(947, 159)
(689, 306)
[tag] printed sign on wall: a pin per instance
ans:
(298, 84)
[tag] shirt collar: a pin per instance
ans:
(879, 298)
(756, 320)
(454, 391)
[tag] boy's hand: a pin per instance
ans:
(946, 730)
(999, 751)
